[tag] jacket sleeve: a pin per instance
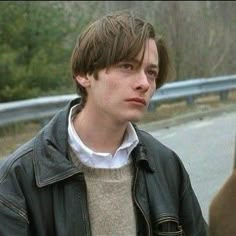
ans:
(12, 220)
(191, 217)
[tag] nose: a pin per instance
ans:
(142, 82)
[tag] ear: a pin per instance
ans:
(83, 80)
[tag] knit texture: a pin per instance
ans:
(109, 195)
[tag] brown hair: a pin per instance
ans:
(112, 39)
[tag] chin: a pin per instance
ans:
(136, 117)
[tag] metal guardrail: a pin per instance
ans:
(191, 89)
(46, 107)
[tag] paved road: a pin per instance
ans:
(206, 148)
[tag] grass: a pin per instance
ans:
(13, 136)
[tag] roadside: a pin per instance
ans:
(198, 113)
(166, 115)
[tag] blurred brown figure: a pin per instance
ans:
(222, 211)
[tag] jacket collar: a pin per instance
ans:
(51, 158)
(142, 158)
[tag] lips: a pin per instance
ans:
(137, 100)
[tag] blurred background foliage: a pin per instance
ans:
(37, 39)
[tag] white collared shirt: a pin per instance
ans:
(101, 160)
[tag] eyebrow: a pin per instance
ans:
(155, 66)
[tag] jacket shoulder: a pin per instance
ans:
(16, 170)
(153, 145)
(19, 158)
(163, 158)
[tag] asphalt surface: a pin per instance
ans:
(205, 144)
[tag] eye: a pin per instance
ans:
(127, 66)
(152, 74)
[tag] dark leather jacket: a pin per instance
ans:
(42, 193)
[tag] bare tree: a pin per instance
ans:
(200, 35)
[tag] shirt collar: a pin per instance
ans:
(74, 140)
(130, 139)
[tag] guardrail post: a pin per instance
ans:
(44, 121)
(190, 100)
(152, 106)
(224, 95)
(235, 154)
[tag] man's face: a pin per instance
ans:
(122, 93)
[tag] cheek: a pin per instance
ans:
(152, 90)
(104, 94)
(107, 98)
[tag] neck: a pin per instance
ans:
(100, 135)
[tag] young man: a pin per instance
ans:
(91, 171)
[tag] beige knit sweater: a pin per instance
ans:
(109, 195)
